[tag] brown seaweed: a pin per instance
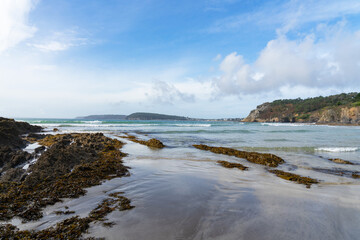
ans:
(340, 161)
(266, 159)
(294, 177)
(74, 227)
(72, 163)
(232, 165)
(153, 142)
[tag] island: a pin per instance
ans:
(154, 116)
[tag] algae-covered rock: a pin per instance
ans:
(72, 163)
(295, 178)
(354, 175)
(266, 159)
(340, 161)
(74, 227)
(153, 143)
(232, 165)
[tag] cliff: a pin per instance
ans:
(335, 109)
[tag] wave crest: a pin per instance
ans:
(337, 149)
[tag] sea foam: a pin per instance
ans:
(193, 125)
(337, 149)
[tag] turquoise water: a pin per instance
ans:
(182, 193)
(298, 138)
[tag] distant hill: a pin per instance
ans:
(342, 108)
(149, 116)
(103, 117)
(153, 116)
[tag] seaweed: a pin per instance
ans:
(72, 163)
(266, 159)
(354, 175)
(294, 177)
(74, 227)
(64, 212)
(153, 142)
(232, 165)
(340, 161)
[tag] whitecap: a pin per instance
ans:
(286, 124)
(92, 122)
(193, 125)
(337, 149)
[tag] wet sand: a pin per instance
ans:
(182, 198)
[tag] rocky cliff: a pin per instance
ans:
(337, 109)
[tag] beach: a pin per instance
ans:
(180, 192)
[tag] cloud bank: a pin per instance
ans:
(14, 26)
(328, 57)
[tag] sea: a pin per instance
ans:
(180, 192)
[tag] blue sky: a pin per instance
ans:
(208, 59)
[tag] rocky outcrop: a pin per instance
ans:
(342, 108)
(256, 114)
(11, 131)
(11, 143)
(68, 165)
(329, 115)
(71, 163)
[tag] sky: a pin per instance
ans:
(204, 59)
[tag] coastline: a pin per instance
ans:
(177, 187)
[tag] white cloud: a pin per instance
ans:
(60, 41)
(166, 93)
(324, 59)
(14, 26)
(52, 46)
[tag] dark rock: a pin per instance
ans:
(10, 132)
(11, 158)
(40, 149)
(72, 163)
(13, 175)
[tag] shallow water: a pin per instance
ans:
(182, 193)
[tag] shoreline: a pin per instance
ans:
(184, 175)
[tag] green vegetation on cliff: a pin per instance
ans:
(316, 103)
(342, 108)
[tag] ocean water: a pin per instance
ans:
(182, 193)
